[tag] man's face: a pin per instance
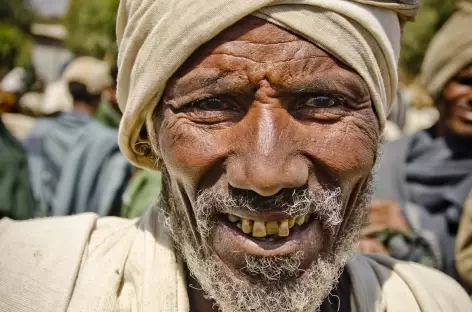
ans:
(457, 96)
(268, 144)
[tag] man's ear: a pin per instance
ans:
(148, 136)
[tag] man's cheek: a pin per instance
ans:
(348, 153)
(187, 149)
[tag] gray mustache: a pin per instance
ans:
(325, 203)
(283, 201)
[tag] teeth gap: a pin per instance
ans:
(268, 230)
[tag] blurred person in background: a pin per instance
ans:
(75, 161)
(56, 98)
(12, 86)
(108, 111)
(423, 180)
(16, 199)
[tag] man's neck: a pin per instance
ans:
(459, 144)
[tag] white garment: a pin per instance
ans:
(83, 263)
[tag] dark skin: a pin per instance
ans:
(86, 108)
(383, 215)
(455, 108)
(260, 109)
(109, 94)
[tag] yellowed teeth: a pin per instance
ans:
(263, 229)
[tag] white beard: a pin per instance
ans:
(278, 289)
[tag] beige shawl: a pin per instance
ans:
(155, 38)
(464, 244)
(86, 264)
(450, 51)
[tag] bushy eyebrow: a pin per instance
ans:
(351, 88)
(213, 82)
(208, 82)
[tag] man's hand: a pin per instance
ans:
(384, 215)
(370, 245)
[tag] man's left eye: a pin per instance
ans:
(317, 101)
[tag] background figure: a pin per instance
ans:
(15, 190)
(108, 111)
(75, 162)
(425, 178)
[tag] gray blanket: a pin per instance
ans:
(75, 166)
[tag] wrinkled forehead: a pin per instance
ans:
(249, 34)
(267, 47)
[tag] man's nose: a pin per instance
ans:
(268, 159)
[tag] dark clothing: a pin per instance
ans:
(15, 190)
(430, 178)
(339, 298)
(76, 166)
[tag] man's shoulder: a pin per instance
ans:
(7, 224)
(40, 257)
(44, 242)
(53, 232)
(409, 286)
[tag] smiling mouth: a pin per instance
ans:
(269, 230)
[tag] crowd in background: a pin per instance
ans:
(59, 153)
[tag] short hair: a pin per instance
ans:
(79, 92)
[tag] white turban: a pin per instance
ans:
(156, 37)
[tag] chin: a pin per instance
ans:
(267, 284)
(246, 280)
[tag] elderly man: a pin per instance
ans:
(264, 117)
(427, 177)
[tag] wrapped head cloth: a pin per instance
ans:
(156, 37)
(450, 50)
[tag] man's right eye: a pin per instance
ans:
(213, 104)
(213, 110)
